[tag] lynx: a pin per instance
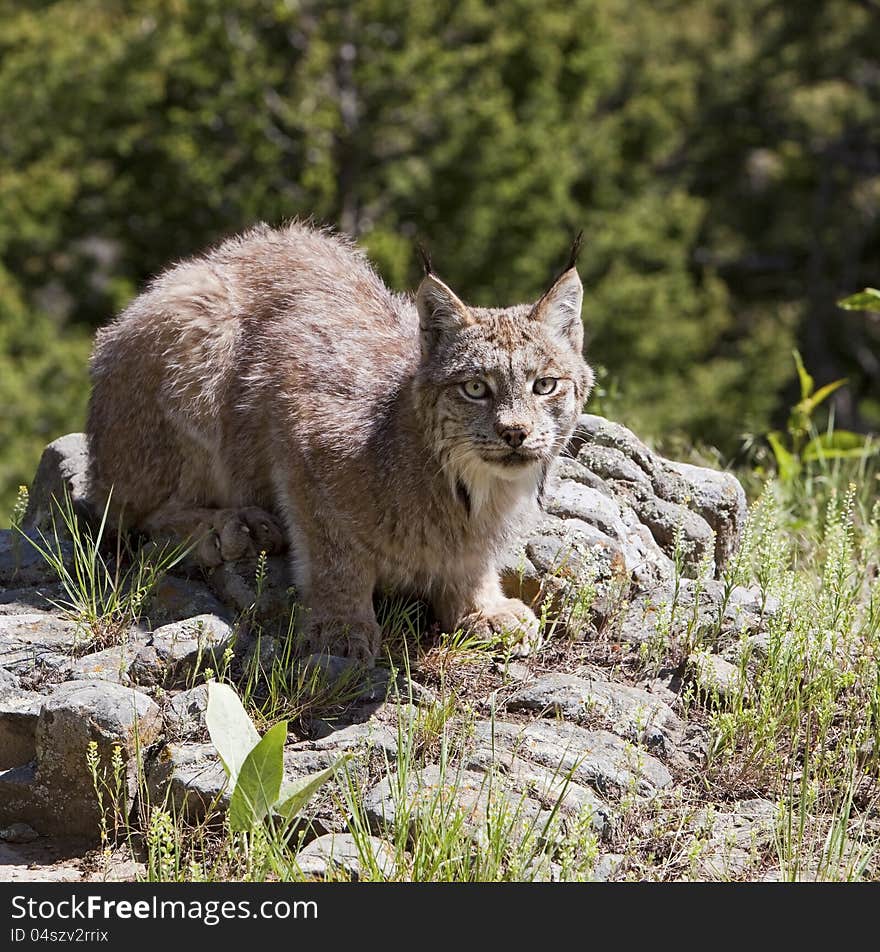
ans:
(274, 390)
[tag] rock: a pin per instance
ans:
(178, 650)
(552, 788)
(569, 499)
(22, 563)
(629, 711)
(368, 736)
(191, 779)
(347, 674)
(19, 711)
(664, 615)
(733, 837)
(340, 853)
(680, 533)
(720, 499)
(715, 678)
(111, 664)
(704, 507)
(34, 641)
(19, 833)
(515, 671)
(606, 867)
(177, 599)
(185, 713)
(9, 682)
(452, 796)
(30, 601)
(55, 794)
(593, 758)
(62, 470)
(194, 780)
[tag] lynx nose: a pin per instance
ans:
(514, 436)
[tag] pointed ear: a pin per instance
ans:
(560, 309)
(440, 310)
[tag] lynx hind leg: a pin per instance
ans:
(217, 535)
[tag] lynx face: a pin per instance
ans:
(500, 389)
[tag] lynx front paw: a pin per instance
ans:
(360, 640)
(512, 621)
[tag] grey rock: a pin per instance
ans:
(568, 499)
(31, 601)
(720, 499)
(593, 758)
(177, 650)
(574, 552)
(347, 673)
(643, 621)
(19, 833)
(191, 779)
(733, 837)
(606, 867)
(185, 713)
(110, 664)
(9, 682)
(629, 711)
(62, 470)
(554, 789)
(456, 795)
(178, 599)
(55, 793)
(715, 678)
(366, 736)
(22, 563)
(338, 855)
(516, 671)
(609, 463)
(19, 712)
(764, 643)
(37, 641)
(597, 431)
(703, 508)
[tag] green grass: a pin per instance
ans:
(106, 584)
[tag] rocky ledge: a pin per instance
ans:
(625, 534)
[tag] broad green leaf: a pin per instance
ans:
(232, 731)
(805, 379)
(297, 793)
(259, 780)
(841, 444)
(786, 462)
(822, 394)
(867, 300)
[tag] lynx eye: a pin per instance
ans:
(544, 386)
(475, 389)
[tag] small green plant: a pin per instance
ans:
(255, 765)
(805, 443)
(109, 790)
(105, 594)
(865, 300)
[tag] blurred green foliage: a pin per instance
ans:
(722, 159)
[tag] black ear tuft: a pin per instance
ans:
(575, 251)
(425, 255)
